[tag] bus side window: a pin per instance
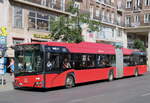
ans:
(128, 61)
(53, 62)
(77, 58)
(66, 61)
(91, 61)
(103, 61)
(142, 60)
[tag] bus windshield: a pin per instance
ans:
(28, 59)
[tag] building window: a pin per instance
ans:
(17, 17)
(112, 17)
(107, 33)
(100, 1)
(137, 19)
(43, 2)
(118, 19)
(77, 5)
(128, 3)
(63, 5)
(91, 12)
(39, 21)
(52, 3)
(137, 3)
(119, 4)
(39, 2)
(108, 17)
(147, 18)
(147, 2)
(128, 20)
(97, 13)
(103, 15)
(119, 34)
(17, 41)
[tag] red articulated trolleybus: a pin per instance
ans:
(53, 64)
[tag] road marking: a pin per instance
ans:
(83, 99)
(76, 100)
(147, 94)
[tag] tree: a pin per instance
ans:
(68, 28)
(138, 44)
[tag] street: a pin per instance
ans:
(126, 90)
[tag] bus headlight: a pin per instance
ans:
(20, 84)
(37, 78)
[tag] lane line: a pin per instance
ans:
(76, 101)
(86, 98)
(147, 94)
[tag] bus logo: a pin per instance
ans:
(25, 80)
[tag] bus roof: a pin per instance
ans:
(86, 47)
(128, 51)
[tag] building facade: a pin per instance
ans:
(122, 21)
(137, 22)
(111, 17)
(29, 20)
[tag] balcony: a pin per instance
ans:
(137, 9)
(81, 11)
(103, 18)
(108, 20)
(105, 36)
(106, 3)
(128, 25)
(56, 6)
(133, 24)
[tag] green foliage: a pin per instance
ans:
(65, 29)
(68, 28)
(70, 7)
(138, 44)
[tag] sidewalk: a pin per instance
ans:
(8, 86)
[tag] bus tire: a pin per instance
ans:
(136, 73)
(70, 81)
(111, 75)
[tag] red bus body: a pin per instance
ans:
(47, 80)
(130, 70)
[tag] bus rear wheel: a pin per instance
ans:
(111, 76)
(70, 82)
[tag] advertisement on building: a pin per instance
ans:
(3, 47)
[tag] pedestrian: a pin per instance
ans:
(11, 66)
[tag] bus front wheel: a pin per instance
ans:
(69, 81)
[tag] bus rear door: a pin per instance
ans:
(119, 62)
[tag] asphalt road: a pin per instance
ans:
(127, 90)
